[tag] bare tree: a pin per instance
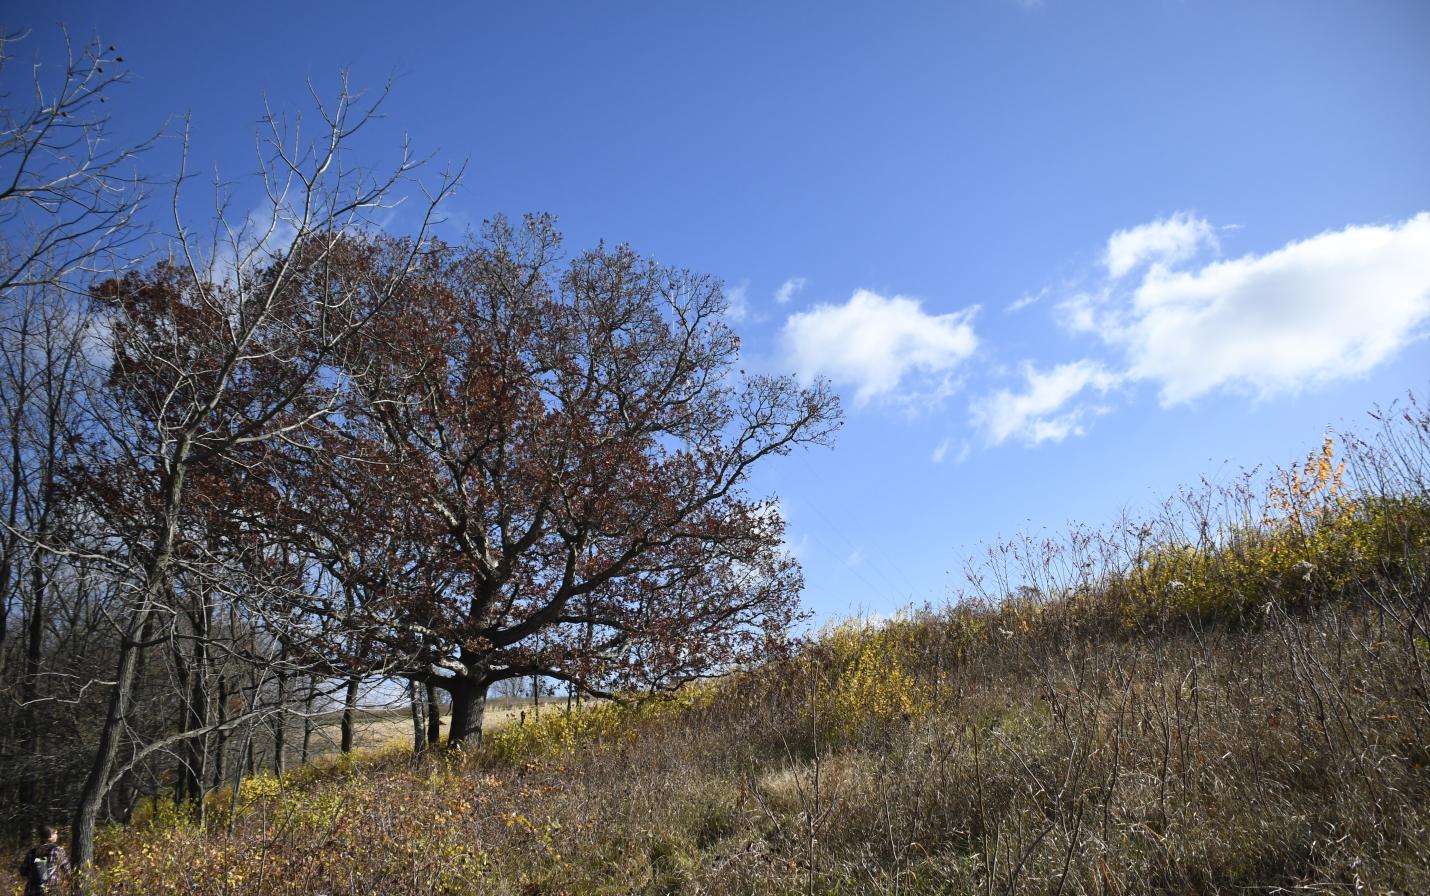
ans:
(68, 192)
(209, 356)
(41, 370)
(69, 195)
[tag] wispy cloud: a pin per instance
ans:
(789, 289)
(1046, 409)
(267, 231)
(1166, 241)
(737, 299)
(941, 453)
(1024, 301)
(884, 347)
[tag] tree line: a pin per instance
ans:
(251, 464)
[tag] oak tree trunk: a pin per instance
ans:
(469, 705)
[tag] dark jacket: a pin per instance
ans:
(44, 869)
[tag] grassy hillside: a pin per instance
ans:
(1230, 695)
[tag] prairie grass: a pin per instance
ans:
(1231, 695)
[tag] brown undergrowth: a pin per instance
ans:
(1229, 696)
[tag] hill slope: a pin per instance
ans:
(1230, 695)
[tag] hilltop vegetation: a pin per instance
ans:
(1228, 695)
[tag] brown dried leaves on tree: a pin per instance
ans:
(553, 455)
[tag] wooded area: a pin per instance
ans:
(255, 461)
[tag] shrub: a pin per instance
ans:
(863, 677)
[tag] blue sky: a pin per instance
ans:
(1058, 257)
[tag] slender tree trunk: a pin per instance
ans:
(17, 403)
(183, 773)
(131, 647)
(419, 727)
(97, 784)
(5, 563)
(34, 646)
(280, 728)
(195, 751)
(221, 741)
(434, 715)
(237, 783)
(201, 815)
(31, 791)
(308, 719)
(200, 756)
(469, 705)
(349, 714)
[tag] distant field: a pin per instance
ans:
(378, 726)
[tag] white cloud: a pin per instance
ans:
(1081, 312)
(940, 454)
(1327, 307)
(788, 289)
(267, 231)
(1166, 241)
(1331, 306)
(1024, 301)
(1045, 411)
(885, 347)
(737, 300)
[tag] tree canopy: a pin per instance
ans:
(552, 456)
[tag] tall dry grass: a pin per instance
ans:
(1230, 695)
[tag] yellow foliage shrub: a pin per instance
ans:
(560, 733)
(868, 679)
(1311, 538)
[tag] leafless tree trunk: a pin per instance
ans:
(350, 697)
(419, 721)
(434, 715)
(280, 722)
(308, 719)
(221, 738)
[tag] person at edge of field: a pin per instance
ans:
(45, 866)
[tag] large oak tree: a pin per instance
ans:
(553, 455)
